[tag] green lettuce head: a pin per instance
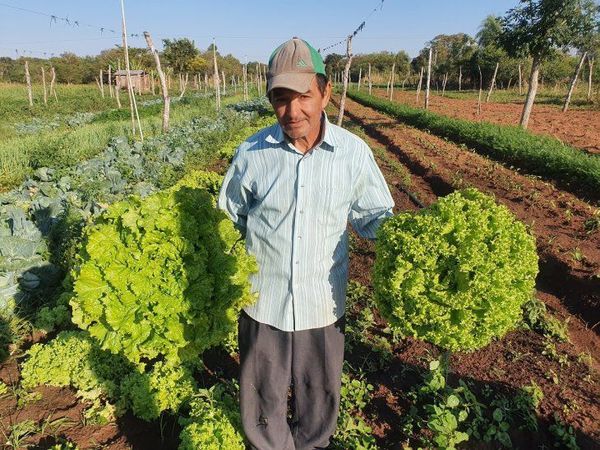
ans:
(456, 273)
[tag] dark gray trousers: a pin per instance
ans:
(271, 360)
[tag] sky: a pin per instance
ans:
(250, 30)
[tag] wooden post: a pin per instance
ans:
(359, 78)
(245, 74)
(392, 82)
(459, 78)
(110, 86)
(184, 82)
(419, 85)
(573, 82)
(224, 82)
(28, 79)
(44, 86)
(428, 81)
(52, 82)
(132, 102)
(152, 82)
(444, 82)
(492, 83)
(102, 82)
(520, 81)
(205, 82)
(163, 83)
(480, 91)
(370, 81)
(346, 76)
(216, 78)
(590, 61)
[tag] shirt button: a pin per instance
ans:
(301, 211)
(297, 262)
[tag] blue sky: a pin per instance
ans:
(246, 29)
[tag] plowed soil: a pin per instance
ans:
(579, 128)
(568, 283)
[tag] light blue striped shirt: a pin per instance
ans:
(294, 209)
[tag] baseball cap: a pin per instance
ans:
(293, 65)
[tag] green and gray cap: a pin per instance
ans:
(293, 65)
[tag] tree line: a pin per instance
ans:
(179, 56)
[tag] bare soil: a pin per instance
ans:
(579, 128)
(569, 286)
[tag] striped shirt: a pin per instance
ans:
(294, 209)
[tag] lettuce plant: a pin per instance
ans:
(164, 277)
(455, 274)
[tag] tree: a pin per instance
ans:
(536, 28)
(179, 54)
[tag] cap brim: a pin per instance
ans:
(299, 82)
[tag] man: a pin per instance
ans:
(292, 188)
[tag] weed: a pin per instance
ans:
(564, 434)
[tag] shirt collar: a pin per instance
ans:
(328, 142)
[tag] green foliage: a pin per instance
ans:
(214, 421)
(539, 155)
(564, 434)
(536, 28)
(536, 318)
(456, 273)
(163, 277)
(455, 415)
(74, 359)
(162, 388)
(352, 432)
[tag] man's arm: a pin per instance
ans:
(234, 196)
(372, 199)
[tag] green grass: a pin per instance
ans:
(571, 169)
(66, 145)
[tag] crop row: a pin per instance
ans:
(547, 157)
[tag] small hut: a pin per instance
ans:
(139, 80)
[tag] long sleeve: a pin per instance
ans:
(234, 196)
(372, 200)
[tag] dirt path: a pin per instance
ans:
(577, 127)
(570, 288)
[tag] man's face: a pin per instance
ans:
(300, 114)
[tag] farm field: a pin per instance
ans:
(578, 127)
(428, 167)
(560, 362)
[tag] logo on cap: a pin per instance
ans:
(301, 63)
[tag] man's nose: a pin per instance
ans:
(293, 108)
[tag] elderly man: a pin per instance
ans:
(292, 188)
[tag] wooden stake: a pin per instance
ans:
(224, 82)
(184, 82)
(245, 74)
(392, 82)
(480, 91)
(205, 82)
(370, 81)
(44, 86)
(132, 102)
(52, 86)
(428, 81)
(359, 77)
(163, 83)
(520, 81)
(590, 61)
(102, 82)
(459, 78)
(444, 81)
(110, 86)
(419, 85)
(349, 57)
(28, 79)
(573, 82)
(216, 78)
(492, 83)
